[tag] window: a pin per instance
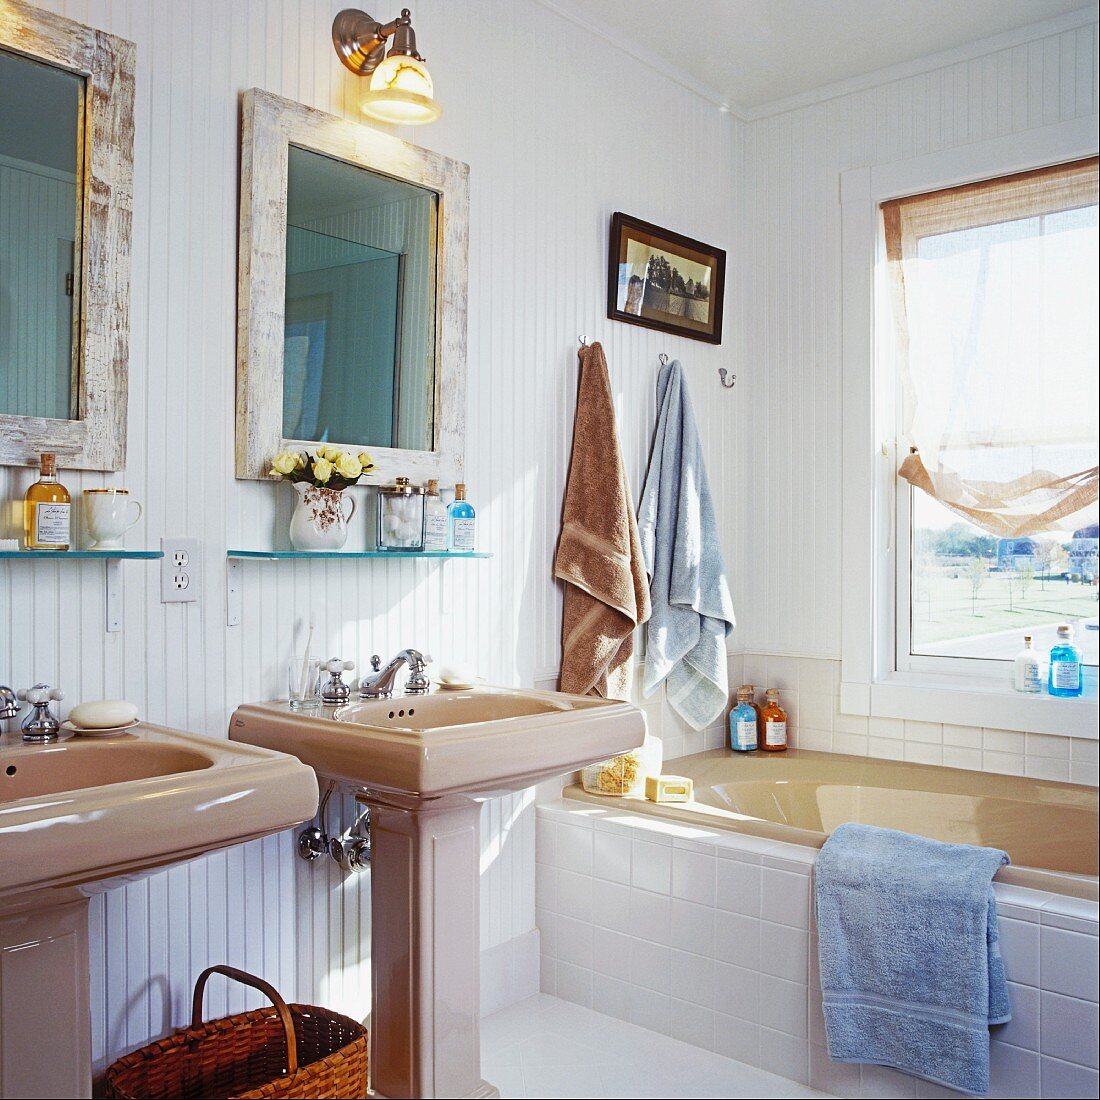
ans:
(990, 303)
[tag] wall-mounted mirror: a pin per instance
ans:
(352, 293)
(66, 136)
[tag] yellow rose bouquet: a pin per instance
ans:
(328, 468)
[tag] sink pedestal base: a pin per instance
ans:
(45, 1018)
(425, 1033)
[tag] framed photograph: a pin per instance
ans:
(662, 280)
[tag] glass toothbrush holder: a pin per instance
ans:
(304, 678)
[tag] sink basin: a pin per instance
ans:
(415, 760)
(451, 708)
(74, 765)
(80, 810)
(448, 742)
(82, 814)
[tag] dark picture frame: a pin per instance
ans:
(663, 280)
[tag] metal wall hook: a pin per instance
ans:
(722, 378)
(663, 358)
(583, 340)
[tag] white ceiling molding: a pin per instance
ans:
(568, 10)
(902, 71)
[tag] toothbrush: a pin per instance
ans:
(304, 685)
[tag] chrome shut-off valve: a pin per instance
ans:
(40, 724)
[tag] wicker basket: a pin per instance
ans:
(283, 1051)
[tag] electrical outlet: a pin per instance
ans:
(180, 571)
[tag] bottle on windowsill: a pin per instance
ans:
(46, 509)
(1026, 675)
(1065, 666)
(774, 718)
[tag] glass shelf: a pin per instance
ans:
(278, 555)
(61, 555)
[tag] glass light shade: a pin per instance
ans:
(401, 93)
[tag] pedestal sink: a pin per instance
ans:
(415, 761)
(79, 813)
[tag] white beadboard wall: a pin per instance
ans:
(788, 462)
(560, 129)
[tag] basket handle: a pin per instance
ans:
(267, 990)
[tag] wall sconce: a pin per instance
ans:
(400, 89)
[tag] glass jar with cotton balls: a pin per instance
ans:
(401, 517)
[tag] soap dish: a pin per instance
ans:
(106, 731)
(457, 685)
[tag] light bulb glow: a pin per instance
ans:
(401, 92)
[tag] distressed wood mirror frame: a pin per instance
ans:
(96, 440)
(270, 125)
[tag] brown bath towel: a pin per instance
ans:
(599, 554)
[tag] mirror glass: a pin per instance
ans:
(359, 338)
(41, 108)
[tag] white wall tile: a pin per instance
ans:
(739, 886)
(693, 927)
(785, 897)
(693, 876)
(1065, 1079)
(783, 1005)
(611, 856)
(1069, 1029)
(1023, 1029)
(1070, 963)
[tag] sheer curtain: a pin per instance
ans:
(994, 299)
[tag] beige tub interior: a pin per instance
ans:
(1048, 829)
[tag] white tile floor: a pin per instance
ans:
(546, 1047)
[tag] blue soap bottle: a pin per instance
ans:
(745, 721)
(1064, 678)
(461, 523)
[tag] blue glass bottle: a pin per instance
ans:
(461, 523)
(745, 721)
(1064, 679)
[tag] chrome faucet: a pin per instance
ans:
(9, 705)
(380, 685)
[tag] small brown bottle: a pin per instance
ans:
(775, 723)
(47, 507)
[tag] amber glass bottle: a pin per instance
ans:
(46, 510)
(774, 718)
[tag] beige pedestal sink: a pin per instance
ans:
(415, 761)
(79, 813)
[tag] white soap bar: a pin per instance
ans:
(452, 674)
(102, 714)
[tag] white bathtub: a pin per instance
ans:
(699, 925)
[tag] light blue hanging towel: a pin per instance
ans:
(692, 609)
(911, 968)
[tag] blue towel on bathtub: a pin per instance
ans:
(911, 970)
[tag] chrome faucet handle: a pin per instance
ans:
(334, 692)
(376, 663)
(41, 723)
(418, 682)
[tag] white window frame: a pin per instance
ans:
(873, 680)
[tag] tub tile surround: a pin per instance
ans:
(708, 937)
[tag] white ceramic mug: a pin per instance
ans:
(107, 517)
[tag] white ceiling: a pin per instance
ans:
(754, 52)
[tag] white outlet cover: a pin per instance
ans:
(180, 571)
